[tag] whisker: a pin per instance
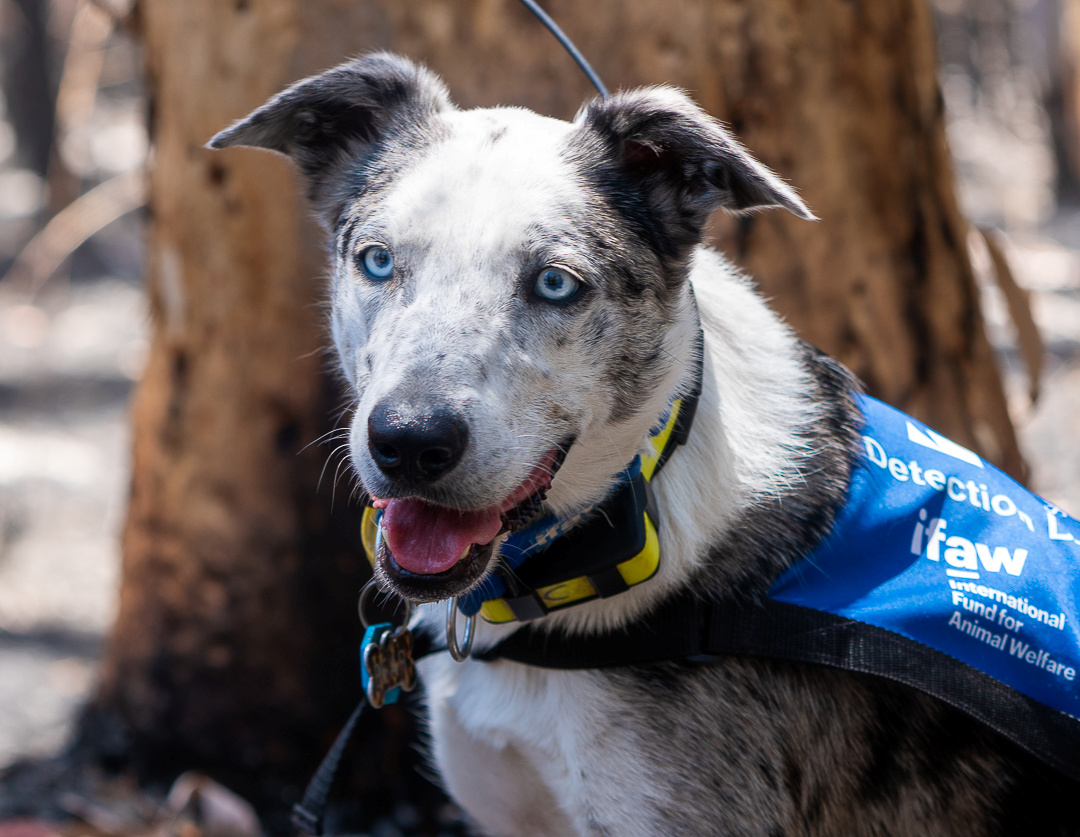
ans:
(337, 474)
(333, 433)
(329, 459)
(358, 490)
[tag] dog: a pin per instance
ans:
(517, 303)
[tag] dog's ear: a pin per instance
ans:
(685, 162)
(329, 122)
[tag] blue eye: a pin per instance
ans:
(556, 284)
(377, 262)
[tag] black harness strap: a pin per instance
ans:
(308, 813)
(690, 630)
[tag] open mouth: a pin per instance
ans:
(429, 552)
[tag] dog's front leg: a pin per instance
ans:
(496, 784)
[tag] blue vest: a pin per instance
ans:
(940, 547)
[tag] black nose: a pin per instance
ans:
(415, 444)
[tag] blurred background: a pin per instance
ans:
(74, 149)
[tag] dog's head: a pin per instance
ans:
(509, 290)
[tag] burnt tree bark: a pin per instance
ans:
(235, 638)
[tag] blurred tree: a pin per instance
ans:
(29, 87)
(235, 638)
(1063, 95)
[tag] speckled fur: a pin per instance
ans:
(473, 204)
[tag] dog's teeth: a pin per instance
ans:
(521, 514)
(465, 553)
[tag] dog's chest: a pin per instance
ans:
(531, 751)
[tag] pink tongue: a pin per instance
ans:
(428, 539)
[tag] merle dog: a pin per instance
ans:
(516, 301)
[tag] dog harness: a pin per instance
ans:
(940, 572)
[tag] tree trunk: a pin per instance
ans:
(1063, 96)
(235, 638)
(28, 83)
(235, 641)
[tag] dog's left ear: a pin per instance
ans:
(330, 123)
(687, 164)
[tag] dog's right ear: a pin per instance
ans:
(329, 122)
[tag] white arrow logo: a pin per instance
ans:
(935, 441)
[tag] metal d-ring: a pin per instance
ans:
(370, 589)
(458, 652)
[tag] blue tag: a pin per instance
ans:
(373, 636)
(939, 546)
(379, 671)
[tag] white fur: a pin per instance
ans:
(525, 749)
